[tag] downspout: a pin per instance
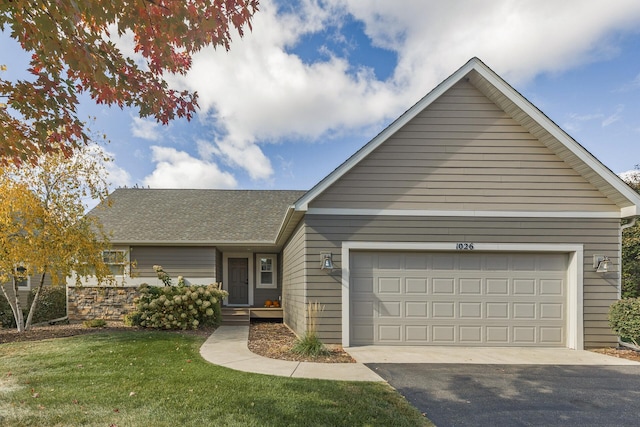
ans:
(622, 228)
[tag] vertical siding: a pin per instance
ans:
(176, 261)
(463, 153)
(599, 236)
(293, 280)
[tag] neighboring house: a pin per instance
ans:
(471, 220)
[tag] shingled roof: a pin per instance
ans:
(158, 216)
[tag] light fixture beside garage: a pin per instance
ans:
(601, 263)
(326, 261)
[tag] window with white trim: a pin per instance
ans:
(116, 261)
(266, 271)
(23, 282)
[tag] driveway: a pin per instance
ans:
(518, 395)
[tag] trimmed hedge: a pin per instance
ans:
(624, 319)
(177, 307)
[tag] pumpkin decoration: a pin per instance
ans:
(268, 303)
(276, 304)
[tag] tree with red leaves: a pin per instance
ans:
(73, 51)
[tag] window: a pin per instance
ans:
(23, 281)
(115, 260)
(266, 274)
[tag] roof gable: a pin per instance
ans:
(520, 110)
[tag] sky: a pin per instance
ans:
(316, 80)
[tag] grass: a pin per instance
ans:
(310, 345)
(159, 379)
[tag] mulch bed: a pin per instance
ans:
(275, 340)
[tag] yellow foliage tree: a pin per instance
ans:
(43, 227)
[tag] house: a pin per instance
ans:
(472, 220)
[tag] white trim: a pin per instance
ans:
(274, 271)
(225, 275)
(443, 213)
(575, 329)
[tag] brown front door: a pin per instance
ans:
(238, 281)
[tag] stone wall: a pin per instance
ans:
(109, 303)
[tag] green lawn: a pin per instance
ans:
(159, 379)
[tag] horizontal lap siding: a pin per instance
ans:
(176, 261)
(463, 153)
(326, 233)
(293, 280)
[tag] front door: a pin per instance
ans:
(238, 281)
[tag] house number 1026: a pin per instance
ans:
(464, 246)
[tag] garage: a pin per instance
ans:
(463, 298)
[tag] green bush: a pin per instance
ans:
(94, 323)
(310, 345)
(6, 315)
(624, 319)
(52, 303)
(177, 307)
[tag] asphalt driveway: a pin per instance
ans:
(518, 395)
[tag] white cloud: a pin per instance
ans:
(177, 169)
(259, 93)
(613, 117)
(145, 129)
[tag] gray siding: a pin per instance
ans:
(293, 280)
(599, 236)
(176, 261)
(463, 153)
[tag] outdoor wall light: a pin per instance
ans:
(601, 263)
(326, 262)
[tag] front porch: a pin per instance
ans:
(243, 315)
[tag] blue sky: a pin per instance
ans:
(316, 80)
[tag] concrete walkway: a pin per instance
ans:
(227, 347)
(485, 356)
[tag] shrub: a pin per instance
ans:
(94, 323)
(52, 303)
(6, 315)
(310, 344)
(624, 319)
(177, 307)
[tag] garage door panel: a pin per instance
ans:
(470, 310)
(433, 306)
(551, 287)
(416, 285)
(416, 334)
(470, 287)
(416, 309)
(389, 309)
(443, 286)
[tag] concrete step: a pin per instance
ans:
(235, 316)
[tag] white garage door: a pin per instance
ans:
(458, 298)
